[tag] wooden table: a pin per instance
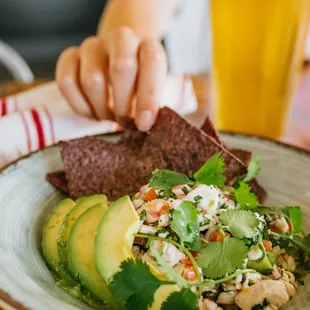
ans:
(298, 127)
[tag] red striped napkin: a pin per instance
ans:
(41, 117)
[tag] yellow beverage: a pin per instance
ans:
(258, 46)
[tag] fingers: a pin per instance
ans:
(92, 77)
(123, 67)
(152, 73)
(67, 77)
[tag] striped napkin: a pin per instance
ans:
(41, 117)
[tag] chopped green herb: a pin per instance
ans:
(185, 190)
(253, 169)
(240, 223)
(185, 224)
(185, 300)
(197, 200)
(212, 172)
(244, 197)
(167, 179)
(262, 305)
(219, 258)
(143, 216)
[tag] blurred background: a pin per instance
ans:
(40, 29)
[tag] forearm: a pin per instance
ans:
(147, 18)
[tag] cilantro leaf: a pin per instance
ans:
(219, 258)
(240, 223)
(294, 215)
(185, 300)
(170, 272)
(253, 169)
(211, 173)
(134, 285)
(302, 243)
(244, 197)
(167, 179)
(185, 224)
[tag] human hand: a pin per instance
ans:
(133, 67)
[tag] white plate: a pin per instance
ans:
(26, 199)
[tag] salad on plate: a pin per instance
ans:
(179, 243)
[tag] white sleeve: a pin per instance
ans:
(188, 38)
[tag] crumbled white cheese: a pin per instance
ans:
(145, 229)
(208, 197)
(169, 252)
(164, 220)
(255, 253)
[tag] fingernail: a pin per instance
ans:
(145, 120)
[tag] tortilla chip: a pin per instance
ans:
(209, 129)
(58, 179)
(186, 148)
(94, 166)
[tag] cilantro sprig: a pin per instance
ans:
(185, 224)
(244, 197)
(185, 300)
(134, 286)
(167, 179)
(219, 258)
(240, 223)
(253, 169)
(212, 172)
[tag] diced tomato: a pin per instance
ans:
(275, 229)
(186, 261)
(218, 236)
(267, 245)
(290, 226)
(150, 195)
(155, 215)
(195, 254)
(189, 274)
(164, 210)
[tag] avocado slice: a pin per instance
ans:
(264, 266)
(64, 280)
(81, 254)
(83, 204)
(51, 230)
(121, 221)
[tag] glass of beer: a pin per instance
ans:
(258, 48)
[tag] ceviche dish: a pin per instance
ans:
(194, 235)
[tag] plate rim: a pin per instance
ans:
(7, 298)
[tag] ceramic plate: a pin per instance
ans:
(26, 199)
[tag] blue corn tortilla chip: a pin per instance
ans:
(93, 165)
